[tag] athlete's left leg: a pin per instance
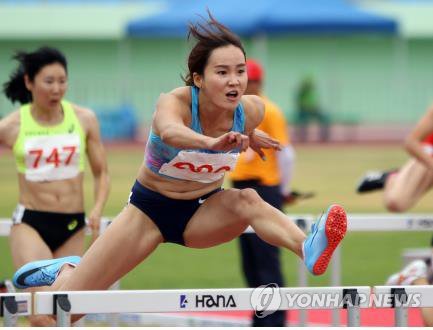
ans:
(226, 214)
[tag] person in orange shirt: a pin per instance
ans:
(271, 179)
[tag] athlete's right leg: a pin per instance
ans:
(26, 245)
(404, 188)
(226, 214)
(128, 240)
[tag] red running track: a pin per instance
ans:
(376, 317)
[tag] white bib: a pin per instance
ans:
(199, 166)
(49, 158)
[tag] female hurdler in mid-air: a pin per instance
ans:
(196, 136)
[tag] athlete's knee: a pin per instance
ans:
(245, 202)
(249, 196)
(395, 204)
(65, 272)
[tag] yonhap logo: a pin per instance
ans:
(214, 301)
(183, 301)
(266, 299)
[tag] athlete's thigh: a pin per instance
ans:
(128, 240)
(411, 182)
(27, 245)
(215, 222)
(74, 245)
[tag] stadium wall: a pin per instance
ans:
(378, 80)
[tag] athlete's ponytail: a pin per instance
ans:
(30, 64)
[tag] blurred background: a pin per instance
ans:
(370, 63)
(370, 60)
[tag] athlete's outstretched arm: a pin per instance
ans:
(169, 122)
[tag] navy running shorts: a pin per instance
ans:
(171, 216)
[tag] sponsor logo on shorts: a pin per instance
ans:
(72, 225)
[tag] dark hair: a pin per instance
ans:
(209, 36)
(30, 63)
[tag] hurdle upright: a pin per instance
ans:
(379, 222)
(13, 305)
(401, 298)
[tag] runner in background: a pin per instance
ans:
(403, 189)
(50, 138)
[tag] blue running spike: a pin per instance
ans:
(41, 272)
(324, 238)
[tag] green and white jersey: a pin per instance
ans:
(49, 153)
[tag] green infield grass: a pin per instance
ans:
(331, 171)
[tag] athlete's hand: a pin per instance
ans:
(260, 140)
(95, 223)
(229, 141)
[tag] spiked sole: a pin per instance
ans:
(335, 229)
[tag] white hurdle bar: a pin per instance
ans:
(401, 298)
(64, 304)
(14, 304)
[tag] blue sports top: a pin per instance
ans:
(159, 153)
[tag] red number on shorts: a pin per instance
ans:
(38, 153)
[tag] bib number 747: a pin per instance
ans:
(53, 157)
